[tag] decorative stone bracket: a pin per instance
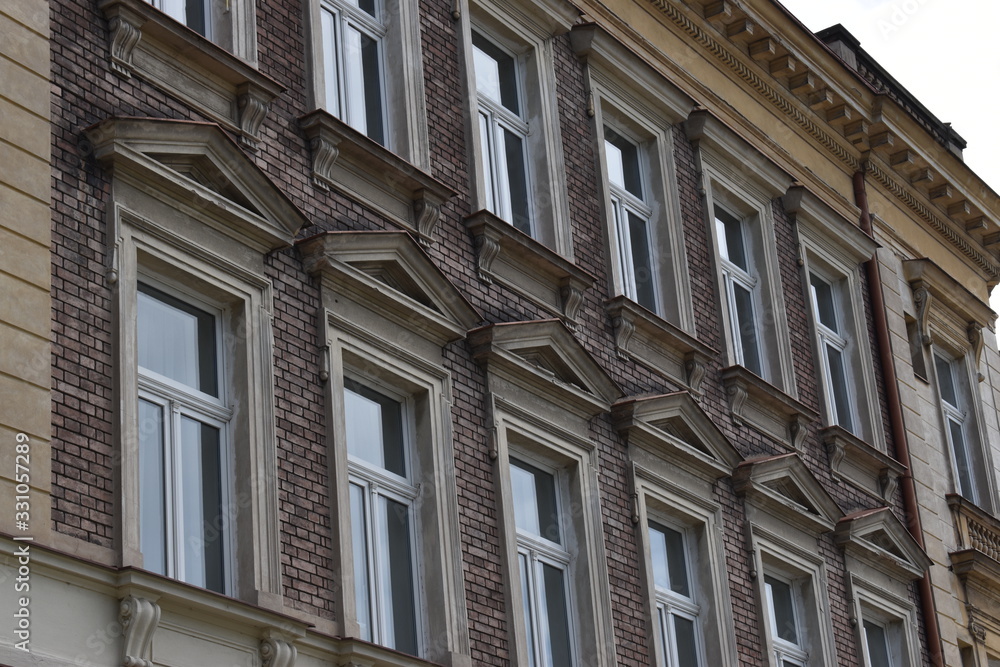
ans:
(861, 465)
(277, 652)
(138, 618)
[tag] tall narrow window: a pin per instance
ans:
(544, 565)
(834, 367)
(353, 32)
(382, 495)
(740, 286)
(784, 615)
(503, 131)
(955, 407)
(632, 215)
(676, 607)
(878, 649)
(183, 452)
(192, 13)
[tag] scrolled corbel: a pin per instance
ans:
(138, 618)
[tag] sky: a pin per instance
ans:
(945, 52)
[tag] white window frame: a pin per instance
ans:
(494, 121)
(670, 604)
(377, 483)
(336, 18)
(539, 552)
(231, 25)
(177, 401)
(733, 277)
(786, 652)
(404, 109)
(826, 338)
(526, 33)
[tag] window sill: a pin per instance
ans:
(518, 261)
(347, 160)
(148, 43)
(661, 346)
(759, 404)
(859, 464)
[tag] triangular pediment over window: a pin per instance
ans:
(673, 426)
(198, 165)
(879, 539)
(543, 357)
(784, 487)
(388, 273)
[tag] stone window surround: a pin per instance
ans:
(391, 330)
(208, 241)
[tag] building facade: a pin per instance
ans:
(533, 332)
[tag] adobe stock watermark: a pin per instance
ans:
(22, 554)
(898, 16)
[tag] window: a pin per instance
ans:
(503, 131)
(784, 612)
(353, 81)
(834, 370)
(882, 644)
(381, 497)
(741, 298)
(183, 443)
(543, 562)
(953, 389)
(516, 163)
(632, 214)
(676, 608)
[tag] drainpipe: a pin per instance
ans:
(897, 426)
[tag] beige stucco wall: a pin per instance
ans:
(25, 304)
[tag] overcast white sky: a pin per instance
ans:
(945, 52)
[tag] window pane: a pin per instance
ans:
(658, 557)
(623, 163)
(200, 504)
(878, 645)
(152, 503)
(670, 567)
(496, 73)
(517, 181)
(839, 387)
(731, 243)
(963, 463)
(534, 495)
(396, 555)
(746, 324)
(372, 74)
(363, 82)
(642, 266)
(529, 605)
(374, 427)
(946, 381)
(823, 300)
(331, 64)
(197, 18)
(359, 550)
(779, 594)
(177, 340)
(686, 642)
(555, 634)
